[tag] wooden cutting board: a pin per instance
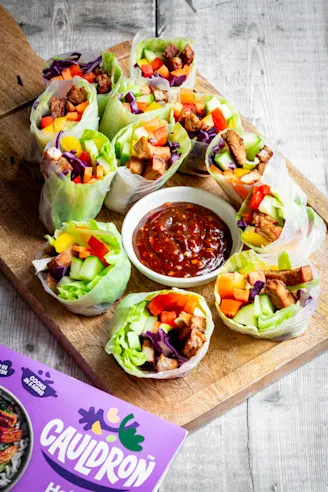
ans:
(235, 367)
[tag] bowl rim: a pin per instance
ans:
(171, 194)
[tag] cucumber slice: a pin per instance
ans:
(270, 206)
(251, 164)
(126, 153)
(64, 281)
(126, 137)
(102, 161)
(284, 262)
(250, 139)
(226, 111)
(133, 340)
(92, 148)
(223, 160)
(76, 266)
(266, 305)
(211, 104)
(148, 98)
(246, 316)
(257, 307)
(165, 327)
(266, 322)
(149, 55)
(149, 326)
(91, 267)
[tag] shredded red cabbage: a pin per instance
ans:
(134, 108)
(174, 157)
(57, 66)
(59, 272)
(129, 97)
(258, 286)
(178, 80)
(78, 165)
(162, 345)
(242, 224)
(58, 138)
(304, 297)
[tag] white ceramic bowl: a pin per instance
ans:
(178, 194)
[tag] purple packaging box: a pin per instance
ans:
(58, 434)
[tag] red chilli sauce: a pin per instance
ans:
(182, 240)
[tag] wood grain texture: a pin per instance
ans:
(264, 444)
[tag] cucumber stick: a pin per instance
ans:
(91, 267)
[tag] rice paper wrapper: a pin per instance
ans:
(196, 163)
(303, 231)
(116, 117)
(62, 200)
(109, 63)
(38, 139)
(109, 288)
(144, 40)
(289, 328)
(119, 319)
(128, 188)
(275, 174)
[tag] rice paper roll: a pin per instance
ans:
(269, 222)
(238, 163)
(136, 176)
(78, 174)
(267, 296)
(84, 266)
(136, 100)
(173, 59)
(160, 335)
(203, 116)
(88, 119)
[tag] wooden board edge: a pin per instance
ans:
(50, 324)
(258, 385)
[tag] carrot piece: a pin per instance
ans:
(152, 125)
(79, 249)
(225, 285)
(187, 96)
(85, 254)
(241, 294)
(87, 174)
(230, 307)
(72, 116)
(161, 136)
(75, 70)
(142, 106)
(163, 71)
(100, 172)
(66, 74)
(81, 107)
(59, 77)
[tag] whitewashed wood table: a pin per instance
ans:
(270, 57)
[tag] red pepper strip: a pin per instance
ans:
(219, 120)
(256, 199)
(147, 70)
(99, 249)
(265, 190)
(77, 180)
(85, 157)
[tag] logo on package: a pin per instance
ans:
(39, 385)
(5, 368)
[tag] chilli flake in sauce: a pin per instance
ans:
(182, 240)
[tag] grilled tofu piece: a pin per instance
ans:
(9, 435)
(57, 106)
(166, 364)
(265, 154)
(266, 226)
(187, 55)
(156, 169)
(53, 160)
(148, 350)
(198, 323)
(253, 277)
(8, 453)
(143, 149)
(251, 178)
(279, 294)
(171, 51)
(192, 123)
(7, 419)
(236, 146)
(51, 282)
(77, 95)
(159, 95)
(291, 277)
(135, 165)
(194, 341)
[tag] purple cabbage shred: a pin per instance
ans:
(258, 286)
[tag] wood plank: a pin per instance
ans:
(20, 67)
(235, 365)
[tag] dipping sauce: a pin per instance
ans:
(182, 240)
